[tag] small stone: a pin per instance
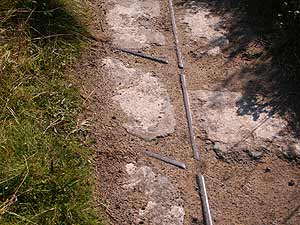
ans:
(293, 151)
(113, 117)
(195, 220)
(256, 155)
(222, 42)
(217, 146)
(208, 142)
(291, 183)
(214, 51)
(268, 170)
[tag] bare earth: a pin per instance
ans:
(135, 105)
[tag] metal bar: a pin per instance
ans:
(160, 60)
(166, 160)
(189, 117)
(174, 28)
(204, 200)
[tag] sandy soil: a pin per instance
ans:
(135, 105)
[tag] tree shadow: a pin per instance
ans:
(41, 20)
(270, 94)
(271, 85)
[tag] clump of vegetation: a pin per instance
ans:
(45, 165)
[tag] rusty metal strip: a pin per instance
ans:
(160, 60)
(166, 160)
(174, 28)
(189, 116)
(204, 199)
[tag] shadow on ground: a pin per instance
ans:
(271, 85)
(41, 21)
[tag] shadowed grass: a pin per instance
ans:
(45, 166)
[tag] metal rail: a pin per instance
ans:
(166, 160)
(204, 199)
(160, 60)
(174, 28)
(189, 116)
(200, 179)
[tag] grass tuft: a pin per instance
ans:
(45, 164)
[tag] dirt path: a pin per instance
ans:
(137, 105)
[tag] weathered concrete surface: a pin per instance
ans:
(144, 100)
(218, 113)
(132, 24)
(164, 206)
(206, 28)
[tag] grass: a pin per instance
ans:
(45, 161)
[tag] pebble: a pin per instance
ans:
(195, 220)
(291, 183)
(294, 151)
(214, 51)
(268, 170)
(208, 142)
(217, 146)
(256, 154)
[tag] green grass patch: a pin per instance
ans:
(45, 164)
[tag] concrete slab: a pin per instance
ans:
(220, 115)
(144, 100)
(164, 206)
(132, 23)
(206, 28)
